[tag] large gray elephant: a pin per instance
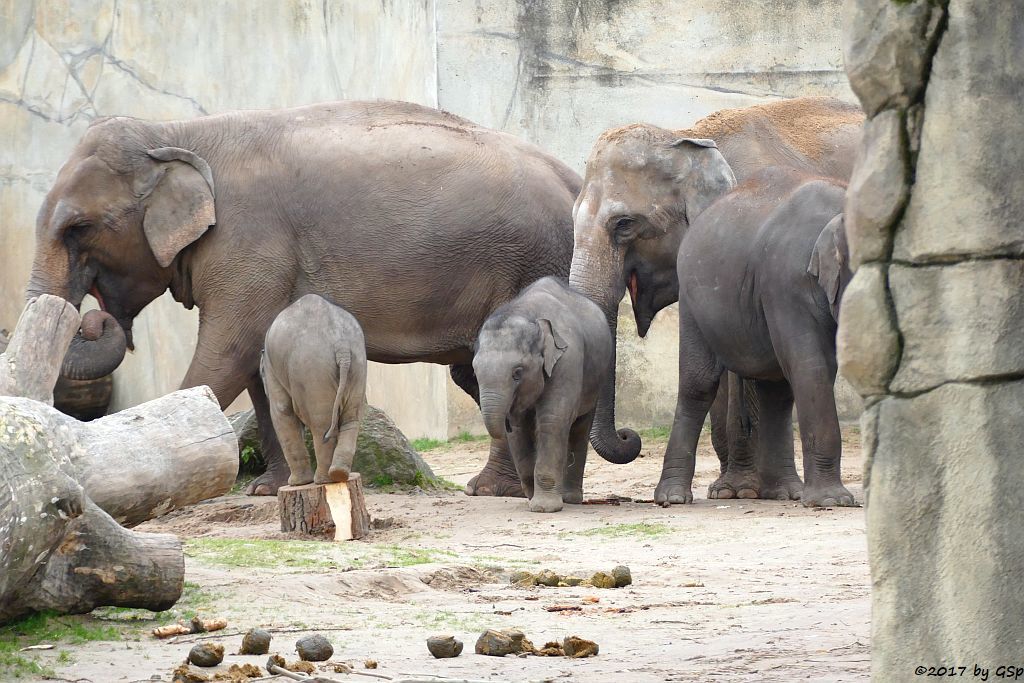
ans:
(642, 187)
(418, 222)
(761, 276)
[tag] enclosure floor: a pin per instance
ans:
(723, 590)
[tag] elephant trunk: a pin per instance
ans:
(602, 282)
(495, 409)
(97, 349)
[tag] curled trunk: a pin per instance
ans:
(97, 349)
(495, 409)
(616, 446)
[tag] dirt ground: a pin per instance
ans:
(722, 590)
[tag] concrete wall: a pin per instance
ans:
(557, 72)
(63, 64)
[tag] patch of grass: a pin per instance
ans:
(466, 437)
(64, 657)
(460, 438)
(427, 444)
(443, 620)
(655, 433)
(396, 556)
(194, 600)
(382, 481)
(641, 529)
(45, 627)
(264, 554)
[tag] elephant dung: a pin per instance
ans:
(548, 578)
(571, 581)
(500, 643)
(255, 642)
(602, 580)
(314, 648)
(444, 647)
(577, 647)
(206, 654)
(622, 576)
(522, 578)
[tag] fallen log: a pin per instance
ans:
(323, 508)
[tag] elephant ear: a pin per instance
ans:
(702, 172)
(178, 197)
(552, 345)
(830, 262)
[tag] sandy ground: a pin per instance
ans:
(723, 590)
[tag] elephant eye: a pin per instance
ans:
(517, 374)
(624, 223)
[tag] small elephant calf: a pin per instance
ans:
(540, 361)
(314, 371)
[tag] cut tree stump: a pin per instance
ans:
(65, 485)
(321, 508)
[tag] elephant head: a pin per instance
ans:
(514, 358)
(643, 186)
(830, 263)
(121, 210)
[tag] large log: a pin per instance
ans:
(30, 365)
(325, 508)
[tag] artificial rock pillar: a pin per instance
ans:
(932, 326)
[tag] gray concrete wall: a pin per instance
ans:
(556, 72)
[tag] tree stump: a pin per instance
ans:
(60, 546)
(321, 508)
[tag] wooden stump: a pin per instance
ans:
(319, 508)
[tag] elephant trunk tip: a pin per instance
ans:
(622, 449)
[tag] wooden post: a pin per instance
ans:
(321, 508)
(30, 365)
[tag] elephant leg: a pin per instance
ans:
(820, 437)
(549, 473)
(277, 472)
(779, 480)
(699, 375)
(499, 476)
(740, 479)
(288, 428)
(523, 450)
(720, 422)
(347, 440)
(579, 440)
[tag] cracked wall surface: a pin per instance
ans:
(930, 332)
(556, 72)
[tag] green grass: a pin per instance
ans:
(461, 438)
(655, 433)
(427, 444)
(46, 628)
(641, 529)
(262, 554)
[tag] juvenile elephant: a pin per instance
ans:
(314, 372)
(760, 285)
(643, 187)
(418, 222)
(540, 362)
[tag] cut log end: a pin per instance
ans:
(337, 509)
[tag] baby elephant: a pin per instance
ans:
(314, 371)
(540, 361)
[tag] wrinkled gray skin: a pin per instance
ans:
(314, 373)
(761, 275)
(643, 186)
(540, 362)
(417, 222)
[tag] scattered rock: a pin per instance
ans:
(314, 648)
(183, 674)
(500, 643)
(591, 600)
(255, 642)
(206, 654)
(372, 663)
(576, 647)
(622, 576)
(571, 580)
(445, 647)
(548, 578)
(602, 580)
(523, 579)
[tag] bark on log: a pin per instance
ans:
(31, 364)
(323, 508)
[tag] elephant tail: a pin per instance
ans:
(344, 361)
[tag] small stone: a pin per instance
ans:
(572, 580)
(622, 576)
(444, 647)
(523, 579)
(255, 642)
(602, 580)
(314, 648)
(500, 643)
(577, 647)
(372, 663)
(206, 654)
(548, 578)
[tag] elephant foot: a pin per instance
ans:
(269, 482)
(735, 484)
(830, 495)
(673, 491)
(492, 483)
(573, 497)
(544, 501)
(784, 488)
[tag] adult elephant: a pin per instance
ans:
(642, 186)
(418, 222)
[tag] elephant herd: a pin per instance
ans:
(442, 241)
